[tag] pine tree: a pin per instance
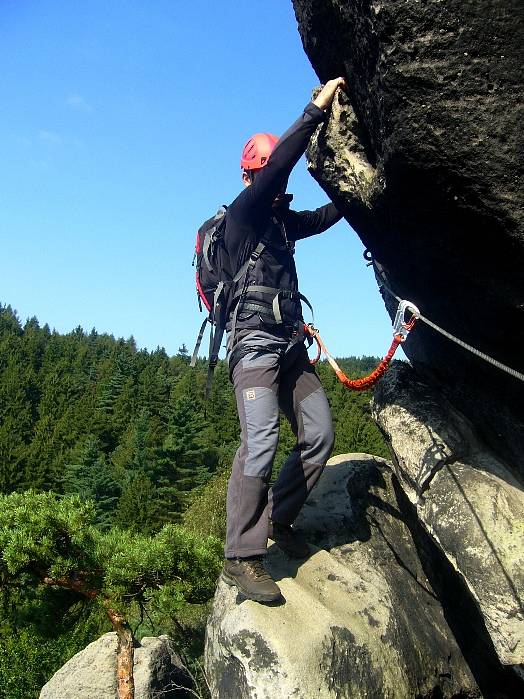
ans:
(183, 352)
(18, 403)
(138, 508)
(90, 478)
(51, 542)
(193, 460)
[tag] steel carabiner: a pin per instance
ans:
(401, 327)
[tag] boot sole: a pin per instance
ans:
(256, 597)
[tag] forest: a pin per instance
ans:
(120, 443)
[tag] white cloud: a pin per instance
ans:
(79, 103)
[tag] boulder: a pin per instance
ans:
(91, 673)
(360, 617)
(466, 498)
(159, 671)
(424, 159)
(88, 674)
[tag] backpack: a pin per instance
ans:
(212, 265)
(215, 284)
(212, 261)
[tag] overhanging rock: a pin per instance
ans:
(424, 158)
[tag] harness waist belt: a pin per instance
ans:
(275, 305)
(258, 308)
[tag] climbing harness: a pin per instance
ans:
(482, 355)
(401, 329)
(218, 290)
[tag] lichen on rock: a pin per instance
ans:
(468, 500)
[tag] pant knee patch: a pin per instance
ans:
(261, 414)
(317, 427)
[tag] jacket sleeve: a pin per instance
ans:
(309, 223)
(269, 181)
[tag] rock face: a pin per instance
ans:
(424, 158)
(91, 674)
(361, 618)
(416, 589)
(466, 499)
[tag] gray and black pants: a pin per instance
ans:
(273, 372)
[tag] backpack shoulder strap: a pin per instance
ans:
(242, 272)
(215, 337)
(250, 262)
(202, 330)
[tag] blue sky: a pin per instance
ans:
(120, 131)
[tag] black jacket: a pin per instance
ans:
(252, 217)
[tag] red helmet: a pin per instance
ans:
(257, 151)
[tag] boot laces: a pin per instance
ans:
(258, 569)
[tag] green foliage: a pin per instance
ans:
(118, 450)
(40, 630)
(286, 442)
(142, 413)
(43, 536)
(136, 565)
(206, 515)
(51, 542)
(91, 479)
(137, 508)
(26, 661)
(40, 533)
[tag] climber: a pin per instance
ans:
(267, 358)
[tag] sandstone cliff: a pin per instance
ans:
(424, 157)
(378, 609)
(416, 587)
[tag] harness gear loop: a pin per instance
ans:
(400, 332)
(310, 330)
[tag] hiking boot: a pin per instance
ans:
(288, 540)
(251, 578)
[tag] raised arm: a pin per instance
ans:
(269, 181)
(291, 145)
(307, 223)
